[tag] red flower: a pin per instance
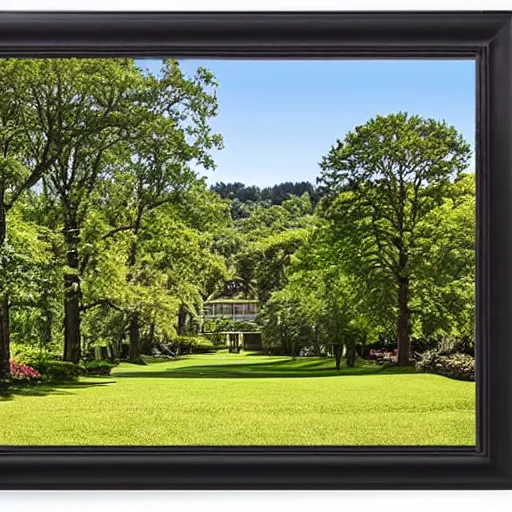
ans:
(23, 371)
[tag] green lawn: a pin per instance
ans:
(226, 399)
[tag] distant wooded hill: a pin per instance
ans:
(243, 195)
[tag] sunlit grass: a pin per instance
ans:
(225, 399)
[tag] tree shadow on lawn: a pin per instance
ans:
(44, 389)
(275, 369)
(240, 363)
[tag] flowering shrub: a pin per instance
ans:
(456, 366)
(23, 372)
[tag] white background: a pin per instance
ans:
(416, 501)
(386, 501)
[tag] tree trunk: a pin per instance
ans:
(134, 352)
(316, 337)
(182, 320)
(283, 344)
(72, 294)
(351, 356)
(134, 332)
(337, 347)
(147, 341)
(152, 333)
(72, 349)
(5, 372)
(403, 324)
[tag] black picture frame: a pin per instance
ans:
(484, 36)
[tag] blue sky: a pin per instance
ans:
(278, 118)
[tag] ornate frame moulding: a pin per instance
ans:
(483, 36)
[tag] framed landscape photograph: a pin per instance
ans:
(255, 250)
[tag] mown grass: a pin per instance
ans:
(225, 399)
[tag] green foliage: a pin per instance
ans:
(97, 367)
(271, 237)
(161, 215)
(285, 330)
(318, 307)
(397, 148)
(24, 259)
(381, 184)
(226, 324)
(30, 355)
(264, 221)
(189, 344)
(443, 296)
(46, 363)
(340, 284)
(57, 371)
(215, 328)
(33, 279)
(117, 151)
(245, 198)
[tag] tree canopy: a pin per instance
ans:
(392, 173)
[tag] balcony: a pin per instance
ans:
(238, 318)
(236, 310)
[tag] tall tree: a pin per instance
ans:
(97, 102)
(397, 169)
(159, 167)
(28, 146)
